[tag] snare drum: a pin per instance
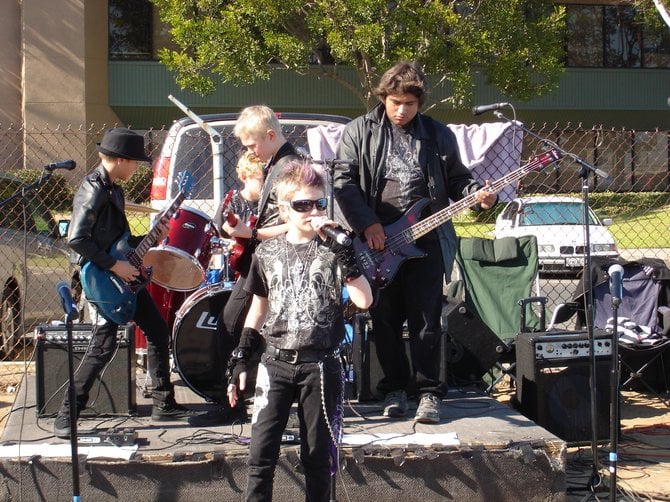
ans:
(196, 350)
(181, 260)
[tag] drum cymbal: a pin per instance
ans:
(139, 208)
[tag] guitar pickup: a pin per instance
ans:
(118, 284)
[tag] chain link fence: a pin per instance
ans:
(34, 256)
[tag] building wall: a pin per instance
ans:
(58, 74)
(10, 62)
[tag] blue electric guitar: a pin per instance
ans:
(116, 299)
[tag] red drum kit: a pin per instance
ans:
(180, 262)
(188, 300)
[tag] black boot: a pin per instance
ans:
(170, 412)
(221, 415)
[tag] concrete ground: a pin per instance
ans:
(643, 467)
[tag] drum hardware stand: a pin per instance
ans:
(584, 170)
(217, 148)
(145, 386)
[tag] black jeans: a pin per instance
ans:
(103, 347)
(415, 296)
(278, 385)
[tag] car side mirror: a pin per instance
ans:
(607, 222)
(63, 226)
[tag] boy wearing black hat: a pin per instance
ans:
(98, 221)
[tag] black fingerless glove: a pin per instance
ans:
(251, 342)
(346, 259)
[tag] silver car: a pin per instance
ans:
(33, 258)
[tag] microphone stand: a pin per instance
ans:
(584, 170)
(73, 410)
(614, 397)
(46, 174)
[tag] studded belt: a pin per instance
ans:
(300, 356)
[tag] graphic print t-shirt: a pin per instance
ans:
(304, 294)
(404, 181)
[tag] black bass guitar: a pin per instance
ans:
(116, 299)
(380, 267)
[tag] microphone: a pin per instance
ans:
(302, 151)
(69, 305)
(337, 234)
(68, 165)
(478, 110)
(616, 282)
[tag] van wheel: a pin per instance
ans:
(10, 321)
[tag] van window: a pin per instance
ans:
(193, 153)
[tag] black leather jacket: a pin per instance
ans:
(98, 219)
(358, 186)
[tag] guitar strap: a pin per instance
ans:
(267, 187)
(446, 233)
(432, 155)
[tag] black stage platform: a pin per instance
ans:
(482, 450)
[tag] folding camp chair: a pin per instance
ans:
(643, 317)
(498, 277)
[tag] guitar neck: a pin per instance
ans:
(433, 221)
(136, 255)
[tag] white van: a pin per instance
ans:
(188, 147)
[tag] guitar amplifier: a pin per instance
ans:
(113, 392)
(553, 382)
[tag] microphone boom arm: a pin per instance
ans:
(551, 144)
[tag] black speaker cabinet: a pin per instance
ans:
(552, 388)
(113, 392)
(472, 348)
(367, 370)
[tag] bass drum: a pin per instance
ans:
(196, 350)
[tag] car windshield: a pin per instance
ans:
(554, 213)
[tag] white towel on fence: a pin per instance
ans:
(490, 151)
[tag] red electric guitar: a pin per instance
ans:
(240, 254)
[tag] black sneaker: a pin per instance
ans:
(395, 404)
(172, 412)
(221, 415)
(62, 426)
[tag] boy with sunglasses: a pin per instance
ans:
(295, 280)
(260, 133)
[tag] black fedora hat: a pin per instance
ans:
(123, 143)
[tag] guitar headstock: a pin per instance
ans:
(227, 214)
(185, 183)
(544, 159)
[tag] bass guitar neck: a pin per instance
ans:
(381, 266)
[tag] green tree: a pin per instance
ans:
(517, 44)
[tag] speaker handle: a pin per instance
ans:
(524, 302)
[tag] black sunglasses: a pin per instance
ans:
(306, 205)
